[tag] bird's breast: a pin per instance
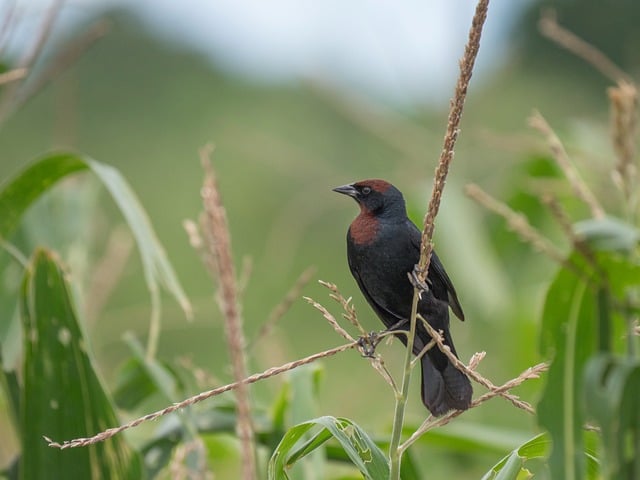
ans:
(364, 229)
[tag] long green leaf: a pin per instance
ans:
(20, 192)
(612, 390)
(568, 337)
(360, 448)
(511, 466)
(62, 395)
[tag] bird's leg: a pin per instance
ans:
(368, 344)
(420, 285)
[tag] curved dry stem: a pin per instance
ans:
(433, 422)
(451, 135)
(102, 436)
(218, 244)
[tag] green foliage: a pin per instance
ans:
(359, 447)
(589, 379)
(512, 467)
(568, 336)
(612, 390)
(62, 394)
(586, 319)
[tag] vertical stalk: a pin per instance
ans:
(395, 453)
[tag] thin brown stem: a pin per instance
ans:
(218, 243)
(437, 337)
(29, 57)
(13, 75)
(580, 188)
(451, 135)
(516, 222)
(550, 28)
(102, 436)
(349, 310)
(283, 307)
(433, 422)
(67, 56)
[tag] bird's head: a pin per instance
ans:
(376, 197)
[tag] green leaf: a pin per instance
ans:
(17, 195)
(472, 438)
(359, 447)
(569, 338)
(608, 234)
(20, 192)
(511, 467)
(612, 390)
(63, 397)
(303, 389)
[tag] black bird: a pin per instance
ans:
(383, 246)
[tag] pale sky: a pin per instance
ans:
(402, 51)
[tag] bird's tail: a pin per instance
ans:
(444, 387)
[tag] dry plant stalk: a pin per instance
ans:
(549, 27)
(563, 219)
(283, 307)
(580, 188)
(624, 119)
(68, 55)
(437, 338)
(349, 310)
(218, 244)
(13, 75)
(516, 222)
(178, 468)
(271, 372)
(108, 271)
(366, 343)
(331, 319)
(433, 422)
(451, 136)
(29, 57)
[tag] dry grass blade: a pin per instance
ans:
(30, 56)
(13, 75)
(218, 243)
(283, 307)
(62, 60)
(451, 136)
(108, 271)
(330, 318)
(516, 222)
(102, 436)
(8, 25)
(433, 422)
(563, 219)
(549, 27)
(624, 120)
(349, 310)
(436, 336)
(580, 188)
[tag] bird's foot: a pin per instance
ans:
(368, 343)
(417, 282)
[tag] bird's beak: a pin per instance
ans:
(347, 190)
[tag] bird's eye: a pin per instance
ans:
(366, 190)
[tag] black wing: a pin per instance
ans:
(388, 317)
(437, 276)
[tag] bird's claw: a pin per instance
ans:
(368, 343)
(417, 282)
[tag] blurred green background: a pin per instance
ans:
(145, 106)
